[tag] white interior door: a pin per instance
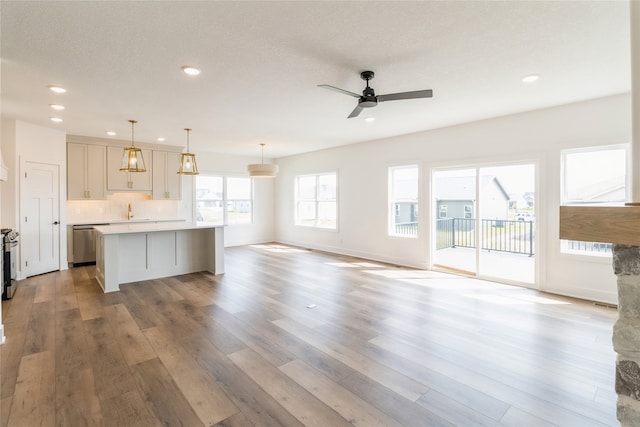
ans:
(40, 216)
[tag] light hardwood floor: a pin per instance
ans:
(290, 337)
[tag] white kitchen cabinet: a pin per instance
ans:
(86, 166)
(166, 181)
(127, 181)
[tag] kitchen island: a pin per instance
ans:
(128, 253)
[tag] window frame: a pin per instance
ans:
(393, 202)
(565, 201)
(226, 200)
(317, 200)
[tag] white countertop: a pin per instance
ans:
(150, 227)
(128, 221)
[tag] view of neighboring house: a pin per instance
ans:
(605, 191)
(456, 197)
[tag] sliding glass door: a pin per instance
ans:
(455, 220)
(484, 222)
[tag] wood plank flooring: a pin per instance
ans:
(290, 337)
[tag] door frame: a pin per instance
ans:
(538, 164)
(21, 273)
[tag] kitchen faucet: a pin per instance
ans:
(129, 213)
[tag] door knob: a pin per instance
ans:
(56, 223)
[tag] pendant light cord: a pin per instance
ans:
(133, 122)
(187, 129)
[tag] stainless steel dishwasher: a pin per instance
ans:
(84, 244)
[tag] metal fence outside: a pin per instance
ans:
(499, 235)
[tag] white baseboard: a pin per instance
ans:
(358, 254)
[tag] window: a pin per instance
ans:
(403, 201)
(224, 200)
(442, 211)
(468, 211)
(592, 176)
(316, 200)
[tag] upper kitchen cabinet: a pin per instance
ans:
(127, 181)
(86, 166)
(166, 181)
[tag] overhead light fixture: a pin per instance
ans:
(192, 71)
(188, 164)
(110, 133)
(161, 139)
(530, 78)
(55, 119)
(57, 107)
(262, 170)
(57, 89)
(132, 160)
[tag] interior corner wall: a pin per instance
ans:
(536, 136)
(262, 228)
(8, 187)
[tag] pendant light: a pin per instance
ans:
(132, 160)
(188, 164)
(262, 170)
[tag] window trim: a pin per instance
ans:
(564, 200)
(316, 200)
(393, 202)
(225, 199)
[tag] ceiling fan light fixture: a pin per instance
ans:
(132, 159)
(369, 99)
(262, 170)
(188, 165)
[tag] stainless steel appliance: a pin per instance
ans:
(84, 244)
(9, 261)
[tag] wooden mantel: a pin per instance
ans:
(607, 224)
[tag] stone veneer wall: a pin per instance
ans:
(626, 333)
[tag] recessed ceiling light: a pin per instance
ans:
(369, 119)
(110, 133)
(55, 119)
(530, 78)
(160, 139)
(192, 71)
(56, 106)
(57, 89)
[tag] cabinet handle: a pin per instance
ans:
(167, 195)
(89, 194)
(129, 184)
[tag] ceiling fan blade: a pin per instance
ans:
(428, 93)
(355, 112)
(337, 89)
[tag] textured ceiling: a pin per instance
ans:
(262, 61)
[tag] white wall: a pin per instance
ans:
(24, 142)
(536, 136)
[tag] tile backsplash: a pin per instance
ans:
(115, 208)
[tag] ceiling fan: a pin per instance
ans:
(369, 98)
